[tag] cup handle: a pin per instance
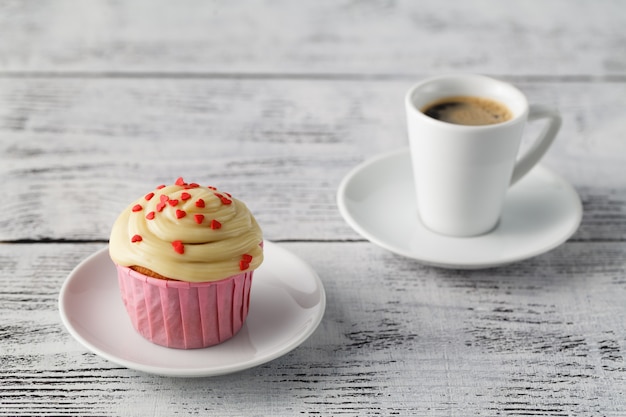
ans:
(543, 142)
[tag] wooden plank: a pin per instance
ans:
(541, 337)
(282, 146)
(557, 39)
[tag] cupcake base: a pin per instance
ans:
(185, 315)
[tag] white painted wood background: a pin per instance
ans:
(278, 100)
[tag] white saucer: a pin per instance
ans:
(287, 302)
(377, 199)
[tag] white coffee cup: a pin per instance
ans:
(462, 172)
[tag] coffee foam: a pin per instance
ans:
(468, 110)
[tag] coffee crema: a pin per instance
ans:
(468, 110)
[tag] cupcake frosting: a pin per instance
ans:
(187, 232)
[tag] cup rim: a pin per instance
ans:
(520, 111)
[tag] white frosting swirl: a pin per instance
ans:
(188, 233)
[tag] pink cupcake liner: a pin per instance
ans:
(185, 315)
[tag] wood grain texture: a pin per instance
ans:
(542, 337)
(556, 38)
(282, 146)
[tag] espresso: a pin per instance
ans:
(468, 110)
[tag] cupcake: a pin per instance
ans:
(185, 255)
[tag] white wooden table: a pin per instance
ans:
(278, 100)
